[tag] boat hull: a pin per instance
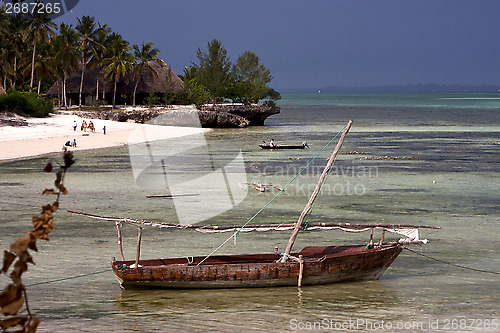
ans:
(321, 265)
(266, 146)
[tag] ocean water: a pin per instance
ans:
(441, 169)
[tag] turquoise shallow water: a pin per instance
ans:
(444, 172)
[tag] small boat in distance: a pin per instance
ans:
(311, 266)
(273, 145)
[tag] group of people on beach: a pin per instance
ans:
(70, 143)
(90, 126)
(84, 126)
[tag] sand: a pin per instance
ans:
(48, 135)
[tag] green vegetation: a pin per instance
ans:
(25, 104)
(35, 53)
(219, 80)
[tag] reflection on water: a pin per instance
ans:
(252, 309)
(445, 173)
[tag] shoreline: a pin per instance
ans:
(48, 135)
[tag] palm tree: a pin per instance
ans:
(88, 45)
(103, 39)
(44, 66)
(119, 61)
(4, 22)
(67, 56)
(14, 45)
(143, 56)
(5, 67)
(39, 31)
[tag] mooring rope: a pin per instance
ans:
(236, 233)
(452, 264)
(17, 204)
(68, 278)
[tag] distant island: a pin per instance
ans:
(409, 88)
(44, 65)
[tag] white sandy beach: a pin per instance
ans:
(48, 135)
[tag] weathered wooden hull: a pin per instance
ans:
(321, 265)
(265, 146)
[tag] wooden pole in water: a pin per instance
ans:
(308, 207)
(301, 270)
(120, 247)
(139, 234)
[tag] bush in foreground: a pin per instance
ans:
(29, 104)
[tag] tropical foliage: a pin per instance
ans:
(25, 103)
(244, 82)
(35, 53)
(144, 55)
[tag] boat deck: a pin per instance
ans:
(309, 253)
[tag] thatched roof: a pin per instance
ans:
(164, 80)
(2, 91)
(148, 81)
(89, 83)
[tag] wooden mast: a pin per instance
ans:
(315, 193)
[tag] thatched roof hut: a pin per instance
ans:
(165, 81)
(2, 91)
(90, 85)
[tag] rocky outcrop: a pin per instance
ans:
(137, 116)
(12, 119)
(256, 114)
(225, 115)
(213, 119)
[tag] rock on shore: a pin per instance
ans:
(226, 115)
(255, 114)
(12, 119)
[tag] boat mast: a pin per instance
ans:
(315, 193)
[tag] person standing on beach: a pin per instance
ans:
(75, 126)
(104, 130)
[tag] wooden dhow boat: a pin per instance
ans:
(273, 146)
(311, 266)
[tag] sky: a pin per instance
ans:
(310, 44)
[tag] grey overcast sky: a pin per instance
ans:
(316, 43)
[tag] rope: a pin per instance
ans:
(69, 278)
(269, 202)
(452, 264)
(305, 224)
(17, 204)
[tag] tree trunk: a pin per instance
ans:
(64, 92)
(114, 94)
(97, 90)
(15, 70)
(81, 85)
(39, 84)
(60, 97)
(33, 66)
(135, 89)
